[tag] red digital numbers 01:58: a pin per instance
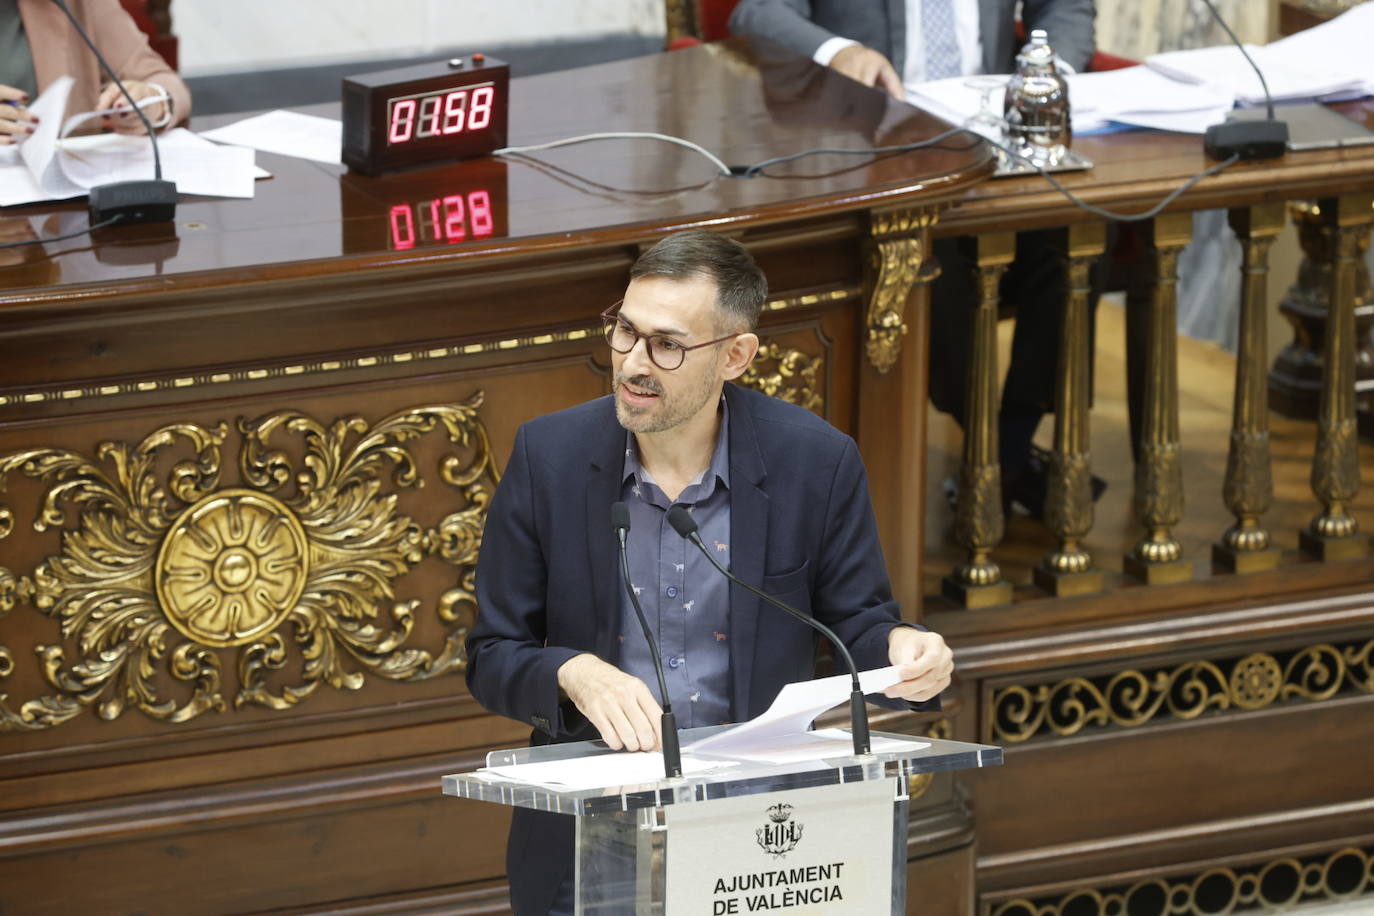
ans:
(440, 113)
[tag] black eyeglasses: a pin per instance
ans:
(665, 352)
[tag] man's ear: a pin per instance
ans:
(739, 355)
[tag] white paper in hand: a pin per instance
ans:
(791, 714)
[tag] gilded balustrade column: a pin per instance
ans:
(1249, 486)
(1068, 569)
(1158, 558)
(1334, 534)
(978, 521)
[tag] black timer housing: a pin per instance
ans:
(434, 112)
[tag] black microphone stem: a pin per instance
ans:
(152, 134)
(1264, 84)
(672, 752)
(858, 713)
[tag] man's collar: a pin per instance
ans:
(720, 455)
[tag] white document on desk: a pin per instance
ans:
(1132, 95)
(288, 133)
(601, 771)
(55, 166)
(1289, 78)
(1341, 44)
(780, 734)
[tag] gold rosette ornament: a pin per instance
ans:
(300, 561)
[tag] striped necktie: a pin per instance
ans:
(942, 48)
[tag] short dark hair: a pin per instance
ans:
(740, 286)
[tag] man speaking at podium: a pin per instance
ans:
(778, 493)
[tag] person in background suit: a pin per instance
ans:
(38, 45)
(779, 494)
(894, 45)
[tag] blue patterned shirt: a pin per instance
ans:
(686, 601)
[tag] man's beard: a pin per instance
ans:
(670, 411)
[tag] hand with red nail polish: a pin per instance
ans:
(126, 122)
(15, 121)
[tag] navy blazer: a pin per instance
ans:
(801, 527)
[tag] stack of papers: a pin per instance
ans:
(1291, 77)
(1341, 44)
(1098, 102)
(1142, 97)
(1186, 91)
(52, 165)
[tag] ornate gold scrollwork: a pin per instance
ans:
(895, 259)
(1273, 885)
(150, 572)
(785, 373)
(1131, 698)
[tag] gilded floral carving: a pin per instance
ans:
(786, 373)
(290, 577)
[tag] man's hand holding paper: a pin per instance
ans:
(923, 660)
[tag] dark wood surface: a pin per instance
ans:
(306, 221)
(298, 300)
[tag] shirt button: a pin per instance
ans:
(674, 661)
(672, 591)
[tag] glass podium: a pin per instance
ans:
(813, 836)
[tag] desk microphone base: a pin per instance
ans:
(134, 202)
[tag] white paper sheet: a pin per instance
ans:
(1341, 44)
(792, 712)
(197, 166)
(601, 771)
(1142, 90)
(54, 166)
(288, 133)
(821, 744)
(1138, 96)
(1290, 77)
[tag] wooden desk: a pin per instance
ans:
(231, 645)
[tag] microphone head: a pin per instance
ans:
(682, 521)
(620, 517)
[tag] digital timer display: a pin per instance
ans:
(410, 211)
(436, 112)
(439, 113)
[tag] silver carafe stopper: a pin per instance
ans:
(1037, 104)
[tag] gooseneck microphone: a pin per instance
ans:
(685, 525)
(149, 201)
(1265, 139)
(672, 754)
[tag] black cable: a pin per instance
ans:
(152, 134)
(59, 238)
(1112, 214)
(1268, 99)
(757, 169)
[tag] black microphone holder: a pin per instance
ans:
(685, 525)
(672, 752)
